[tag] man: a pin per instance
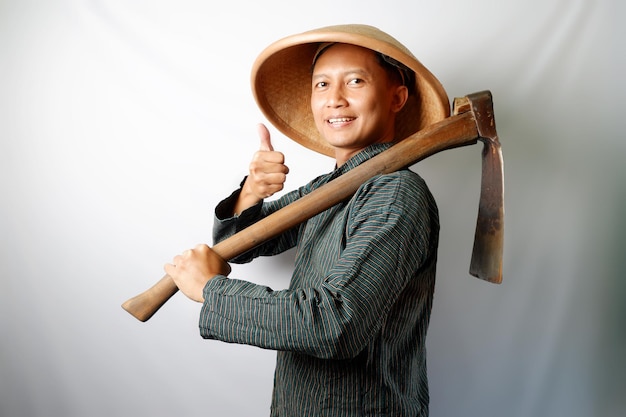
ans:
(350, 330)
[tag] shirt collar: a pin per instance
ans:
(364, 155)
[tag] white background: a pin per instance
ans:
(122, 124)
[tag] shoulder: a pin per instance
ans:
(402, 191)
(399, 185)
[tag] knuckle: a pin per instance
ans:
(201, 248)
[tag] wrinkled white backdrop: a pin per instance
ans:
(122, 123)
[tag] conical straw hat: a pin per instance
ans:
(281, 83)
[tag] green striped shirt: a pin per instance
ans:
(350, 330)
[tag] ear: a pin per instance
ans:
(400, 96)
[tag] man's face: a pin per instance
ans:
(353, 101)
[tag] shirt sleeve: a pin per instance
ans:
(391, 236)
(225, 224)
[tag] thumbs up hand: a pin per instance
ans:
(267, 173)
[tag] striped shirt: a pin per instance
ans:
(350, 330)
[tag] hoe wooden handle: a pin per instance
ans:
(455, 131)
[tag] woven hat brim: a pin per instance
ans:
(282, 89)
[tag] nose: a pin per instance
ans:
(336, 96)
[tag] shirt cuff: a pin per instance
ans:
(225, 208)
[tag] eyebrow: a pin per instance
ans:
(357, 71)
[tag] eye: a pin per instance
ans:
(321, 84)
(355, 81)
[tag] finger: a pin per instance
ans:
(264, 135)
(274, 178)
(170, 269)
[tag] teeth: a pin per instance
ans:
(339, 120)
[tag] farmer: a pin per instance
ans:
(350, 330)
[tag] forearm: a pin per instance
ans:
(246, 199)
(226, 222)
(289, 320)
(226, 225)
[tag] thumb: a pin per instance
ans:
(264, 135)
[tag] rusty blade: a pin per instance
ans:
(486, 262)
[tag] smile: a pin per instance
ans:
(339, 120)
